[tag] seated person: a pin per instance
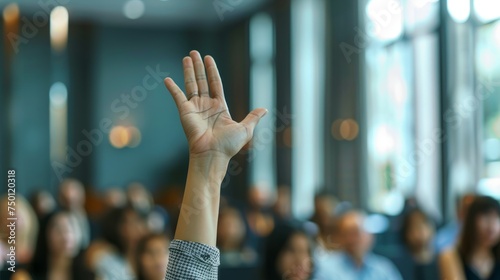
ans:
(418, 259)
(152, 257)
(477, 256)
(237, 259)
(354, 261)
(288, 254)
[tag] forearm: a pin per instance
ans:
(200, 205)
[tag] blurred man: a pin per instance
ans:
(448, 234)
(282, 207)
(72, 199)
(355, 261)
(324, 218)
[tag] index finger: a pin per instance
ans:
(175, 91)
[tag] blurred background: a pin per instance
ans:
(374, 104)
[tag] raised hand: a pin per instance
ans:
(205, 117)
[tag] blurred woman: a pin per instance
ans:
(288, 254)
(152, 257)
(236, 258)
(418, 260)
(57, 254)
(114, 257)
(477, 256)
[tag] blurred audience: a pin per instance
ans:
(355, 261)
(152, 257)
(43, 203)
(259, 241)
(477, 255)
(447, 236)
(418, 259)
(288, 254)
(72, 199)
(114, 257)
(58, 254)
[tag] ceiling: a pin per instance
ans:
(156, 12)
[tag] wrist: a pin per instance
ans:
(210, 165)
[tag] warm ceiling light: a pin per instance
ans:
(11, 13)
(349, 129)
(59, 20)
(119, 137)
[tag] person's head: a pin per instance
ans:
(152, 257)
(462, 205)
(352, 235)
(481, 228)
(288, 254)
(139, 197)
(43, 203)
(57, 238)
(282, 206)
(123, 228)
(258, 198)
(71, 195)
(324, 206)
(114, 197)
(230, 229)
(27, 226)
(417, 230)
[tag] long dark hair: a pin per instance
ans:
(141, 249)
(276, 243)
(40, 262)
(480, 206)
(110, 227)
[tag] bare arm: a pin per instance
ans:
(213, 137)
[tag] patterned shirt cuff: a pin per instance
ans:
(205, 253)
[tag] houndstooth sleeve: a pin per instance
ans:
(192, 261)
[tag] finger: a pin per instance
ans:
(189, 78)
(252, 119)
(214, 80)
(175, 91)
(201, 77)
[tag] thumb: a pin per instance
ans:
(252, 119)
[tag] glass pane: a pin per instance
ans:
(390, 173)
(488, 85)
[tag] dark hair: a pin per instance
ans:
(407, 220)
(111, 223)
(141, 249)
(480, 206)
(276, 243)
(40, 262)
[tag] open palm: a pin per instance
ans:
(203, 110)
